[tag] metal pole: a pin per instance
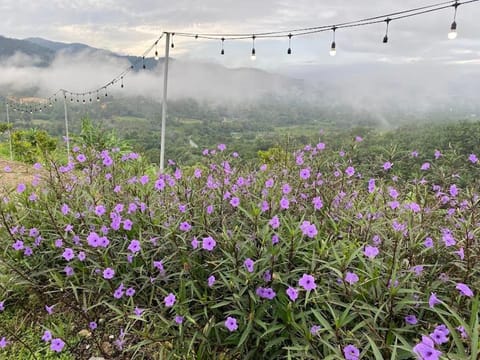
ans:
(66, 125)
(164, 103)
(9, 134)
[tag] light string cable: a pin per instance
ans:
(317, 29)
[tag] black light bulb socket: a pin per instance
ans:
(253, 51)
(454, 26)
(289, 51)
(385, 39)
(333, 45)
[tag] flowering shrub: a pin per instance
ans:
(320, 256)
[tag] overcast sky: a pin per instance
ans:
(128, 27)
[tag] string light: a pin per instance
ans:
(222, 52)
(98, 97)
(122, 83)
(143, 60)
(173, 45)
(333, 47)
(254, 55)
(453, 28)
(289, 51)
(156, 51)
(385, 38)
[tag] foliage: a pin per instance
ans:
(324, 252)
(31, 145)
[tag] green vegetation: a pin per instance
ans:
(353, 246)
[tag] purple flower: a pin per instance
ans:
(308, 229)
(462, 332)
(440, 335)
(425, 166)
(194, 243)
(118, 293)
(370, 251)
(411, 319)
(387, 165)
(138, 311)
(235, 202)
(275, 239)
(231, 324)
(473, 158)
(248, 263)
(305, 173)
(185, 226)
(351, 352)
(3, 342)
(92, 325)
(350, 171)
(274, 222)
(108, 273)
(464, 290)
(130, 292)
(317, 203)
(315, 329)
(351, 278)
(284, 203)
(68, 254)
(49, 309)
(307, 282)
(57, 345)
(433, 300)
(169, 300)
(292, 293)
(18, 245)
(47, 336)
(68, 270)
(460, 253)
(266, 293)
(134, 246)
(208, 243)
(425, 349)
(2, 305)
(211, 280)
(428, 243)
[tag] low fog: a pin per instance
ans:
(377, 88)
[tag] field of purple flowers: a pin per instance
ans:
(314, 254)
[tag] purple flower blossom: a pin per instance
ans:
(426, 350)
(350, 171)
(428, 243)
(307, 282)
(169, 300)
(231, 324)
(108, 273)
(185, 226)
(387, 165)
(3, 342)
(47, 336)
(308, 229)
(235, 202)
(274, 222)
(433, 300)
(68, 254)
(425, 166)
(179, 319)
(351, 352)
(248, 263)
(370, 251)
(315, 329)
(57, 345)
(266, 293)
(211, 281)
(284, 203)
(134, 246)
(462, 331)
(292, 293)
(473, 158)
(464, 290)
(305, 173)
(411, 319)
(194, 243)
(208, 243)
(351, 278)
(92, 325)
(317, 203)
(440, 335)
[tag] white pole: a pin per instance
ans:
(66, 125)
(9, 134)
(164, 103)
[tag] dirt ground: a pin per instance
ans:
(13, 173)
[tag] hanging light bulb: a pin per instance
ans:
(453, 28)
(173, 45)
(143, 60)
(156, 51)
(222, 52)
(122, 82)
(385, 38)
(98, 97)
(254, 55)
(106, 92)
(289, 51)
(333, 48)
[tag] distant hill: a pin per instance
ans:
(9, 47)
